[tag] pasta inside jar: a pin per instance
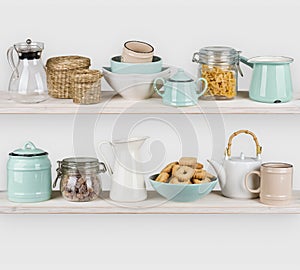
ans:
(219, 65)
(222, 81)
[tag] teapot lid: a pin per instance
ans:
(180, 76)
(29, 150)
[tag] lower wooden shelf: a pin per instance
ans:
(214, 203)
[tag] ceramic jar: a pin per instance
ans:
(80, 178)
(29, 175)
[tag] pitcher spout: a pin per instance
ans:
(220, 171)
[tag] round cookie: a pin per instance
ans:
(184, 173)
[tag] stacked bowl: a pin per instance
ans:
(132, 74)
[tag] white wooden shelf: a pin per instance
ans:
(114, 104)
(214, 203)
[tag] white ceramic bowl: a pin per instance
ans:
(134, 86)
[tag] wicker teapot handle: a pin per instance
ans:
(258, 147)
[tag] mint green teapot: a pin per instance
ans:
(180, 89)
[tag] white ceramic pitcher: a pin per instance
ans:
(128, 183)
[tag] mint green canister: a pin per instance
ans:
(29, 175)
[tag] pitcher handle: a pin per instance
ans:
(154, 85)
(246, 182)
(108, 167)
(205, 86)
(10, 59)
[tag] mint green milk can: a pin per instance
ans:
(29, 175)
(271, 78)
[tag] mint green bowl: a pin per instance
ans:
(135, 68)
(180, 192)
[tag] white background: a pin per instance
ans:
(176, 29)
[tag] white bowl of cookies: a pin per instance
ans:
(183, 181)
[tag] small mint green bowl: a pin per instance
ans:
(180, 192)
(117, 66)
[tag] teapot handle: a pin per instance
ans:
(205, 86)
(258, 147)
(10, 59)
(108, 167)
(155, 87)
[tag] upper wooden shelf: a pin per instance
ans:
(114, 104)
(213, 203)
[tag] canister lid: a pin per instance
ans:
(29, 150)
(219, 55)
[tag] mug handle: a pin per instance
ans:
(246, 182)
(155, 88)
(205, 87)
(108, 167)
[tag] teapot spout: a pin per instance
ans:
(220, 171)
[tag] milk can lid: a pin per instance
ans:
(29, 150)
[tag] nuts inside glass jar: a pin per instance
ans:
(80, 188)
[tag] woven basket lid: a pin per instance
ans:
(87, 75)
(68, 62)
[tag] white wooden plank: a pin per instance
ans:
(114, 104)
(214, 203)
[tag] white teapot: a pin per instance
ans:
(232, 173)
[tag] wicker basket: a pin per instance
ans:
(60, 72)
(87, 86)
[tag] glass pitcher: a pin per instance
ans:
(28, 83)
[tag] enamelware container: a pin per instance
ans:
(137, 52)
(29, 175)
(154, 66)
(127, 175)
(271, 78)
(180, 89)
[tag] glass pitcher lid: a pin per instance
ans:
(29, 46)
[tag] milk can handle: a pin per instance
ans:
(10, 59)
(258, 147)
(108, 167)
